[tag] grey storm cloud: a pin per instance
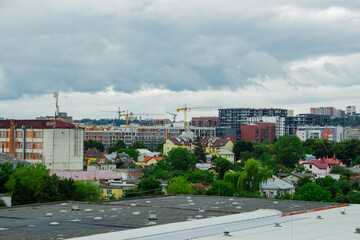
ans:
(88, 46)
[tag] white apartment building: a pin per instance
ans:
(330, 133)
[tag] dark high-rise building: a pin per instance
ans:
(235, 117)
(293, 122)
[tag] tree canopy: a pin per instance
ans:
(179, 185)
(252, 177)
(94, 144)
(289, 150)
(199, 151)
(222, 165)
(180, 159)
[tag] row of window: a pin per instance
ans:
(20, 134)
(36, 156)
(28, 145)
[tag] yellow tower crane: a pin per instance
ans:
(185, 109)
(128, 115)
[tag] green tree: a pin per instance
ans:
(160, 171)
(221, 188)
(244, 156)
(252, 177)
(199, 151)
(300, 169)
(180, 159)
(5, 172)
(150, 186)
(232, 177)
(52, 188)
(179, 185)
(2, 203)
(160, 147)
(321, 148)
(356, 161)
(94, 144)
(260, 149)
(87, 191)
(289, 150)
(313, 192)
(347, 150)
(303, 181)
(242, 146)
(21, 193)
(354, 197)
(200, 176)
(120, 144)
(222, 165)
(29, 177)
(138, 145)
(133, 153)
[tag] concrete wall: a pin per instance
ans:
(6, 199)
(63, 149)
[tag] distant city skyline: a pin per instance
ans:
(155, 56)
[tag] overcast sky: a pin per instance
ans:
(154, 56)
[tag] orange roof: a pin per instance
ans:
(146, 159)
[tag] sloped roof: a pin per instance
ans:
(111, 157)
(5, 158)
(144, 151)
(324, 163)
(39, 124)
(146, 159)
(224, 152)
(299, 175)
(92, 153)
(276, 184)
(87, 175)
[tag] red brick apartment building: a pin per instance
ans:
(258, 132)
(55, 143)
(205, 122)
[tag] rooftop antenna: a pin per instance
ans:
(56, 96)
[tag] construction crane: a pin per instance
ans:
(118, 115)
(185, 109)
(128, 115)
(174, 115)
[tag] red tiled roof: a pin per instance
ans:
(146, 159)
(324, 163)
(39, 124)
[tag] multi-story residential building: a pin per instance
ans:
(277, 120)
(205, 122)
(226, 133)
(329, 111)
(235, 117)
(149, 135)
(351, 133)
(293, 122)
(210, 145)
(258, 132)
(55, 143)
(350, 110)
(330, 133)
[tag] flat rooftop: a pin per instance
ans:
(34, 221)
